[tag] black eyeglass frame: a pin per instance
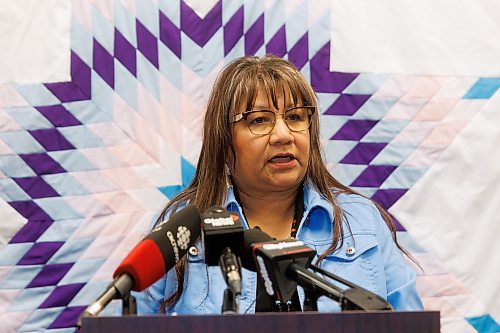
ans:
(244, 115)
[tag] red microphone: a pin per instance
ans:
(144, 264)
(152, 257)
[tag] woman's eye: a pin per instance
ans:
(260, 120)
(293, 117)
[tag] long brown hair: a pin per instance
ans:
(238, 83)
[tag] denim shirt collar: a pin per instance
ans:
(312, 200)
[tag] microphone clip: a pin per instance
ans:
(231, 269)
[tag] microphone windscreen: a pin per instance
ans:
(175, 236)
(144, 264)
(251, 237)
(161, 249)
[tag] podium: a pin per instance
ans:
(345, 322)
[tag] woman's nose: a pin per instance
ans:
(281, 133)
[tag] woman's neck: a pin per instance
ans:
(272, 212)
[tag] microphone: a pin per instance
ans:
(272, 258)
(283, 264)
(251, 237)
(222, 235)
(151, 258)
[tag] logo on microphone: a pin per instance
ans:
(171, 238)
(265, 276)
(282, 245)
(180, 242)
(183, 237)
(219, 221)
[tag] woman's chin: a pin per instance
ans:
(286, 181)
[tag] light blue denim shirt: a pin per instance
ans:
(368, 258)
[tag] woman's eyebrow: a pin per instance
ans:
(268, 107)
(261, 107)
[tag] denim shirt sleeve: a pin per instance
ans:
(400, 275)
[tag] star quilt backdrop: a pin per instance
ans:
(85, 165)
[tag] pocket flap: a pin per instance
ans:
(352, 247)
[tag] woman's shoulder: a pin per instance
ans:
(359, 212)
(355, 202)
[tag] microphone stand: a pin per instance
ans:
(354, 298)
(230, 266)
(310, 300)
(118, 289)
(333, 276)
(230, 302)
(313, 288)
(129, 305)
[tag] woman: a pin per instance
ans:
(261, 157)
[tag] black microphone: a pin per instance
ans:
(151, 258)
(283, 264)
(222, 235)
(272, 258)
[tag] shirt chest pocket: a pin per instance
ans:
(358, 260)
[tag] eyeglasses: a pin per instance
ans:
(261, 122)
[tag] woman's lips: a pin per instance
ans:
(283, 161)
(280, 159)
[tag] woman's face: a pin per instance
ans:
(273, 162)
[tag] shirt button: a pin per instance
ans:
(193, 250)
(350, 250)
